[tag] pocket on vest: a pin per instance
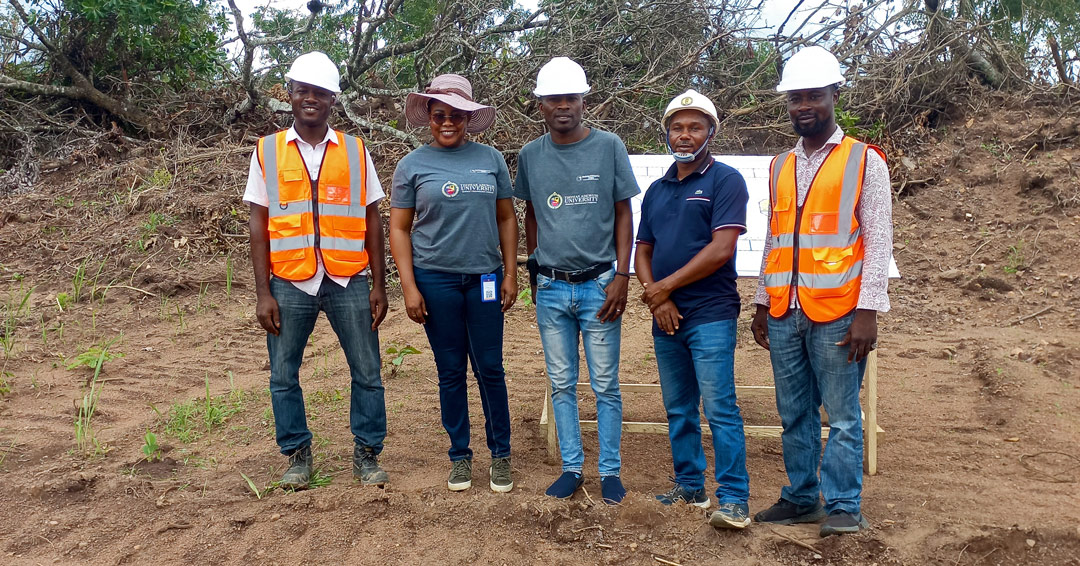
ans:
(286, 226)
(832, 260)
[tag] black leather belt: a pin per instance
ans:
(575, 276)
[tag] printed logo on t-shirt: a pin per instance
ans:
(556, 200)
(452, 189)
(583, 178)
(482, 171)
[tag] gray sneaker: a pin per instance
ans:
(299, 473)
(731, 516)
(460, 475)
(365, 467)
(502, 480)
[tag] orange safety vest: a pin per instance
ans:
(303, 221)
(828, 242)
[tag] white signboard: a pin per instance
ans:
(755, 171)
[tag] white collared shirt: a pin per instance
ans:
(255, 193)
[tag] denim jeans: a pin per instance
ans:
(697, 365)
(461, 328)
(811, 370)
(349, 313)
(563, 312)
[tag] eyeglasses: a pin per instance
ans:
(455, 119)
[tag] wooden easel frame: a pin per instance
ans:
(870, 416)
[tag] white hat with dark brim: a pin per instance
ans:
(454, 90)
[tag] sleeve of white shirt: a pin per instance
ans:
(874, 212)
(761, 297)
(374, 187)
(255, 192)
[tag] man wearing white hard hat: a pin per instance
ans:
(690, 220)
(317, 245)
(824, 278)
(576, 182)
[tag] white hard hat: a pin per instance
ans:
(690, 100)
(561, 76)
(812, 67)
(316, 69)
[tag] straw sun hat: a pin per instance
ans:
(454, 90)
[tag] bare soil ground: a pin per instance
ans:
(979, 388)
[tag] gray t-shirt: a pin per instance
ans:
(454, 193)
(573, 188)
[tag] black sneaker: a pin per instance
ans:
(299, 473)
(697, 498)
(843, 523)
(784, 512)
(365, 467)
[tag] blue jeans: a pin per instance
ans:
(563, 312)
(461, 328)
(698, 365)
(349, 313)
(811, 370)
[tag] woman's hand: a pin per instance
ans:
(414, 304)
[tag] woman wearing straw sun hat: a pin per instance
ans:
(453, 235)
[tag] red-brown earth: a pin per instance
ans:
(979, 388)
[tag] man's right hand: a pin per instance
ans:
(414, 305)
(667, 317)
(760, 326)
(266, 309)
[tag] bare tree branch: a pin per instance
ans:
(249, 80)
(82, 88)
(346, 103)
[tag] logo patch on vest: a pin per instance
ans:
(450, 189)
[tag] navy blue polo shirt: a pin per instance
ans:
(678, 218)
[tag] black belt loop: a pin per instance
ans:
(575, 276)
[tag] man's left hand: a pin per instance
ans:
(377, 300)
(655, 294)
(509, 292)
(615, 303)
(861, 335)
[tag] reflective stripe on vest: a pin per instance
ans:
(830, 249)
(342, 213)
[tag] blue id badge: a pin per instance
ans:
(487, 288)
